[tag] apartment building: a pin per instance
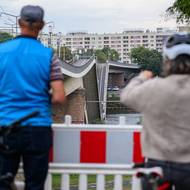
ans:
(121, 42)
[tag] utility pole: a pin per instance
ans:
(16, 17)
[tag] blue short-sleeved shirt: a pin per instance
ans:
(25, 71)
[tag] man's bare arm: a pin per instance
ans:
(58, 92)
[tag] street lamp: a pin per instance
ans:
(58, 44)
(50, 33)
(16, 17)
(64, 58)
(50, 27)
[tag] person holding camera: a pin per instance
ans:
(165, 107)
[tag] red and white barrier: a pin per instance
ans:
(115, 144)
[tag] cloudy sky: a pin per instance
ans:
(96, 16)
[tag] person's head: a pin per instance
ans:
(176, 54)
(31, 20)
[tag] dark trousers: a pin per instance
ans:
(32, 145)
(177, 174)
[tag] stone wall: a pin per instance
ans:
(74, 106)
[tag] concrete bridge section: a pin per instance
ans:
(112, 74)
(80, 86)
(120, 73)
(86, 84)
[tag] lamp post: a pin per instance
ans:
(50, 34)
(58, 44)
(16, 17)
(64, 49)
(50, 27)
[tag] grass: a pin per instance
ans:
(74, 180)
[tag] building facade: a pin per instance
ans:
(121, 42)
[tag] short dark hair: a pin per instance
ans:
(179, 65)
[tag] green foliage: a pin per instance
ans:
(5, 36)
(107, 54)
(147, 59)
(88, 52)
(111, 54)
(114, 55)
(65, 53)
(101, 56)
(106, 51)
(181, 10)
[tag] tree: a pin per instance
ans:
(4, 36)
(88, 52)
(180, 9)
(114, 55)
(107, 54)
(147, 59)
(101, 56)
(111, 54)
(65, 53)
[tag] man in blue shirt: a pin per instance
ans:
(28, 70)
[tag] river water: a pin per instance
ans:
(131, 119)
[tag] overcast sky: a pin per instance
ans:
(97, 16)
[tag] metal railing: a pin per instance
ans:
(83, 170)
